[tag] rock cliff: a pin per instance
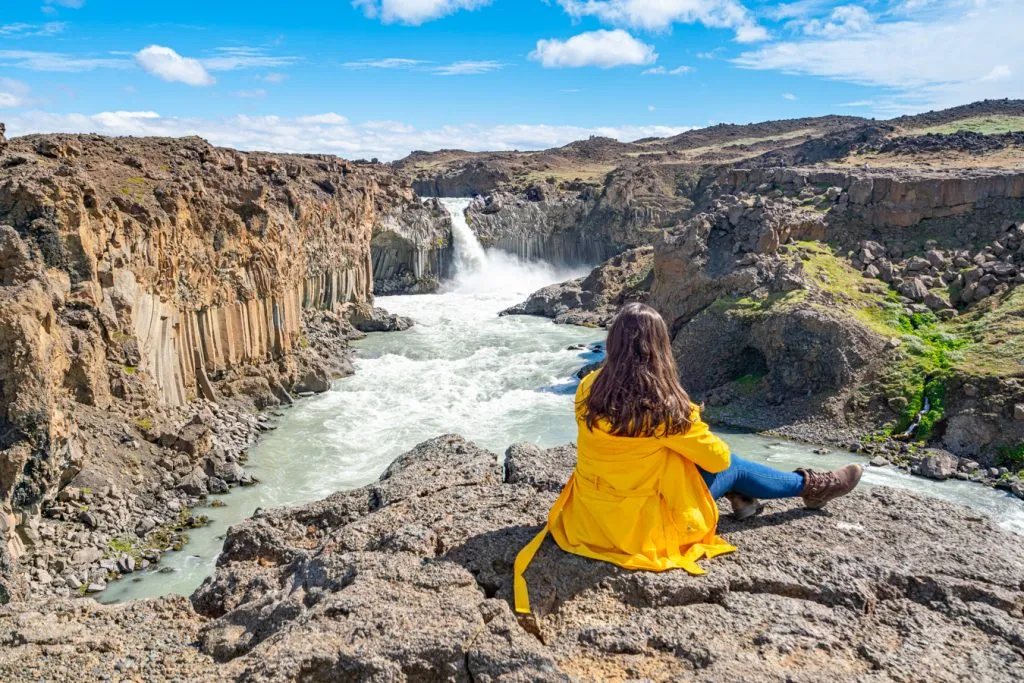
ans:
(410, 579)
(142, 278)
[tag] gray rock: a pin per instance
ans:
(193, 483)
(86, 556)
(217, 486)
(878, 461)
(1018, 412)
(145, 525)
(938, 464)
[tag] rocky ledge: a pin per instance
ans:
(409, 578)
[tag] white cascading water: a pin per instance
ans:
(461, 370)
(469, 254)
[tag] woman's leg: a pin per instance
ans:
(753, 480)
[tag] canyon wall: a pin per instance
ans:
(412, 251)
(854, 302)
(578, 223)
(137, 275)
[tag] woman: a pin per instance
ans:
(648, 470)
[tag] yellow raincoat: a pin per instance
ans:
(638, 502)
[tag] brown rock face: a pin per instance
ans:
(136, 273)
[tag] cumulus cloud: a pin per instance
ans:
(660, 15)
(414, 12)
(167, 64)
(71, 4)
(937, 60)
(843, 21)
(662, 71)
(789, 96)
(328, 132)
(604, 49)
(12, 93)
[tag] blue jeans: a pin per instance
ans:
(753, 480)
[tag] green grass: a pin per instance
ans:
(998, 333)
(930, 350)
(987, 125)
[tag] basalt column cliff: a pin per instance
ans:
(141, 277)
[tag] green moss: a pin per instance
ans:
(131, 370)
(144, 423)
(1011, 456)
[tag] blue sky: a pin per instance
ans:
(384, 77)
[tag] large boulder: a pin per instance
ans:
(410, 577)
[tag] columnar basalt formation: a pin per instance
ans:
(412, 251)
(140, 275)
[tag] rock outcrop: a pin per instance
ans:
(412, 249)
(579, 224)
(410, 578)
(143, 279)
(592, 301)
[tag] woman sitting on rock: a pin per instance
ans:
(648, 470)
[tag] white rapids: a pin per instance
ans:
(463, 370)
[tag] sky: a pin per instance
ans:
(381, 78)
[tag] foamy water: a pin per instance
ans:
(462, 370)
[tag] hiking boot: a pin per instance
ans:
(743, 507)
(821, 487)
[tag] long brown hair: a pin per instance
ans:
(638, 390)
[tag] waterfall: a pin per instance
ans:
(469, 254)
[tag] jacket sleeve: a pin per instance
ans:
(701, 447)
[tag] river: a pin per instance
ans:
(461, 369)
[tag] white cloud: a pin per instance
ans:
(12, 93)
(329, 119)
(998, 73)
(789, 96)
(71, 4)
(388, 126)
(56, 61)
(843, 21)
(660, 15)
(327, 133)
(414, 12)
(167, 64)
(386, 63)
(940, 60)
(651, 107)
(601, 48)
(662, 71)
(467, 67)
(460, 68)
(274, 77)
(255, 93)
(233, 58)
(20, 30)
